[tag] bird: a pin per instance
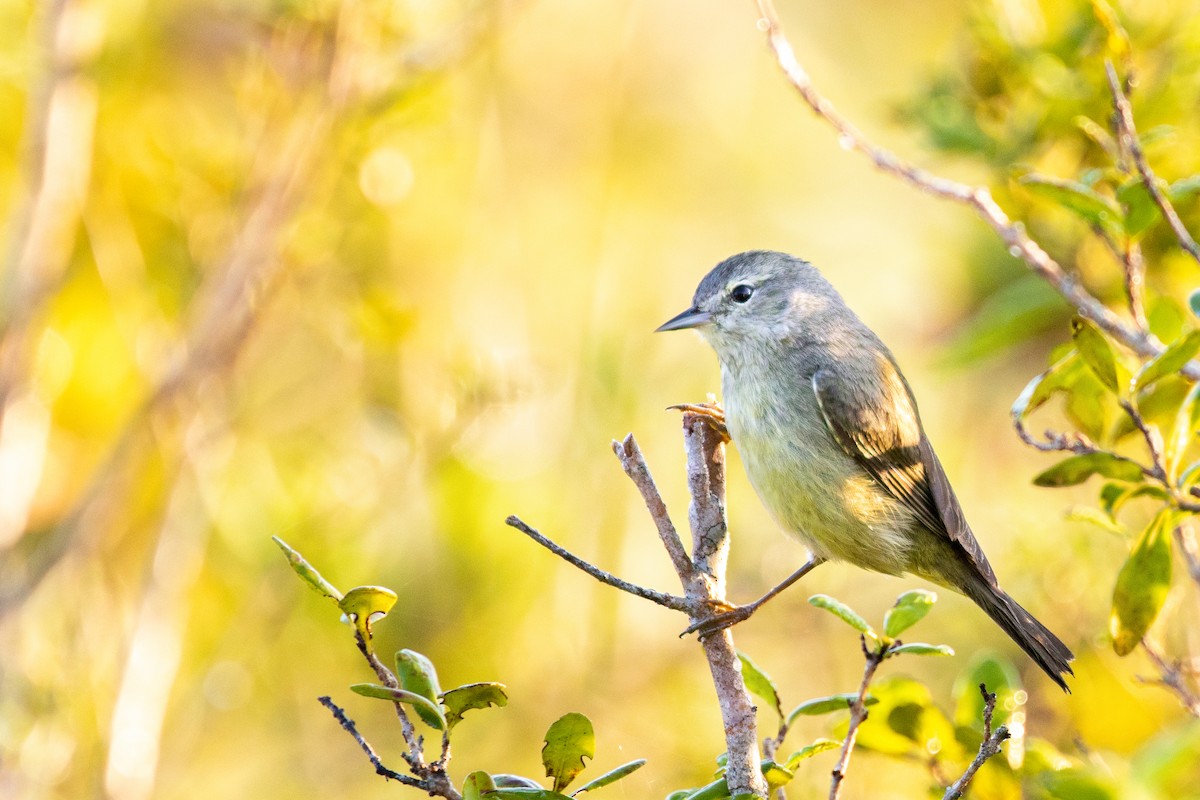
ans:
(832, 442)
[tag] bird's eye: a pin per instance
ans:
(741, 293)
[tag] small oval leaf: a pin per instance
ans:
(910, 608)
(760, 684)
(810, 750)
(476, 784)
(826, 705)
(612, 776)
(1077, 469)
(776, 775)
(922, 649)
(470, 697)
(1096, 352)
(1142, 585)
(366, 604)
(1169, 361)
(426, 710)
(307, 572)
(569, 741)
(417, 675)
(844, 613)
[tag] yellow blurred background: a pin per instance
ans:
(371, 276)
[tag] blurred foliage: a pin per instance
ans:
(372, 275)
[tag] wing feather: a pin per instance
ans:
(878, 426)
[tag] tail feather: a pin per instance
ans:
(1046, 649)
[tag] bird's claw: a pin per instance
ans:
(726, 616)
(712, 413)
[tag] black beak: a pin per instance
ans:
(692, 318)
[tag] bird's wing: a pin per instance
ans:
(877, 425)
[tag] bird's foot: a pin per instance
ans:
(725, 615)
(712, 413)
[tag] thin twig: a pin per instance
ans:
(979, 198)
(1154, 443)
(661, 598)
(1127, 134)
(1171, 677)
(988, 748)
(858, 715)
(340, 715)
(634, 464)
(1135, 282)
(415, 755)
(1185, 537)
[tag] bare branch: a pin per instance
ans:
(340, 715)
(1173, 678)
(988, 748)
(661, 598)
(1012, 233)
(634, 464)
(858, 715)
(415, 755)
(1127, 134)
(705, 584)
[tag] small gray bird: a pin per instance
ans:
(829, 432)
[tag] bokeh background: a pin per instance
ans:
(371, 276)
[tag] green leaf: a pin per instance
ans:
(308, 572)
(418, 675)
(425, 709)
(365, 605)
(476, 784)
(810, 750)
(505, 780)
(907, 723)
(1142, 585)
(826, 705)
(1097, 353)
(1077, 469)
(526, 794)
(844, 613)
(1060, 377)
(910, 608)
(1184, 189)
(1001, 678)
(569, 741)
(922, 649)
(470, 697)
(1194, 302)
(1184, 430)
(1095, 516)
(776, 775)
(1115, 495)
(1141, 212)
(612, 776)
(1169, 361)
(717, 790)
(760, 684)
(1083, 200)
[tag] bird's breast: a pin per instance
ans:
(813, 488)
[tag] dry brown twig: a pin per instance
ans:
(702, 575)
(988, 748)
(1130, 142)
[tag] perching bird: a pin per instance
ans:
(832, 442)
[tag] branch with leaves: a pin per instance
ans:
(414, 686)
(1118, 378)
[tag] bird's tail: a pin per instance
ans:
(1046, 649)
